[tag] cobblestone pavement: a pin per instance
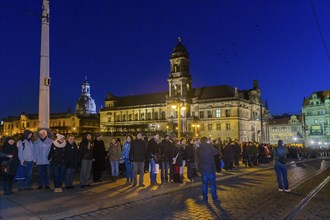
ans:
(245, 197)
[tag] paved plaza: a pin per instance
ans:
(245, 193)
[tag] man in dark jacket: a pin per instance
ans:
(206, 165)
(153, 156)
(137, 155)
(72, 161)
(165, 149)
(190, 157)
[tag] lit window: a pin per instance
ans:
(218, 113)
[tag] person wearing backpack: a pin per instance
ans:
(280, 153)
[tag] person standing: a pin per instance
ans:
(280, 154)
(206, 165)
(99, 156)
(177, 161)
(128, 164)
(86, 158)
(71, 154)
(165, 149)
(137, 155)
(190, 157)
(183, 145)
(114, 154)
(42, 146)
(154, 157)
(9, 156)
(27, 156)
(58, 160)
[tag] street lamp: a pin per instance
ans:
(295, 140)
(179, 117)
(195, 129)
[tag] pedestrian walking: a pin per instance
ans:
(206, 165)
(57, 156)
(72, 156)
(138, 154)
(86, 159)
(280, 155)
(9, 159)
(99, 156)
(27, 157)
(42, 147)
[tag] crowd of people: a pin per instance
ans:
(166, 156)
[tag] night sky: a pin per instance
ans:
(124, 48)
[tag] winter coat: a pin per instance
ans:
(84, 152)
(229, 153)
(190, 153)
(13, 162)
(205, 156)
(57, 154)
(126, 150)
(138, 151)
(99, 155)
(42, 148)
(183, 152)
(26, 150)
(165, 150)
(114, 152)
(153, 148)
(176, 152)
(72, 155)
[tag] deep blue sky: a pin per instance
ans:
(124, 48)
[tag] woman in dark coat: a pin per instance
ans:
(99, 156)
(177, 161)
(57, 157)
(9, 155)
(229, 156)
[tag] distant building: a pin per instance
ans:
(85, 104)
(316, 110)
(217, 111)
(84, 120)
(287, 128)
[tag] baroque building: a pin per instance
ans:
(316, 110)
(287, 128)
(214, 111)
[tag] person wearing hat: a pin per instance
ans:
(57, 158)
(27, 156)
(99, 156)
(42, 146)
(9, 156)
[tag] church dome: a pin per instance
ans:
(85, 104)
(179, 51)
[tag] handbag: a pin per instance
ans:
(5, 169)
(174, 159)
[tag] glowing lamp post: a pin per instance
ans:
(195, 128)
(179, 117)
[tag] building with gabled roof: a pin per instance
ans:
(316, 110)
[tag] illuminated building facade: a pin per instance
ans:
(216, 111)
(316, 110)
